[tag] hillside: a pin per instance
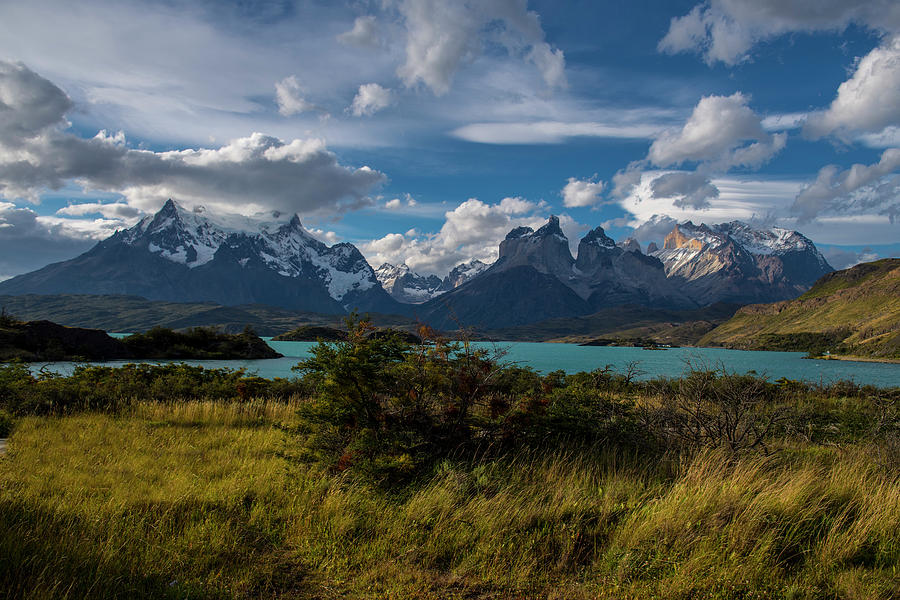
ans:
(127, 314)
(678, 327)
(852, 312)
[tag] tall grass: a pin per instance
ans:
(211, 500)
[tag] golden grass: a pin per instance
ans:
(206, 499)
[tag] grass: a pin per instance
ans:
(858, 307)
(205, 499)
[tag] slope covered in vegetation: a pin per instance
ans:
(854, 312)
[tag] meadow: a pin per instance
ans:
(484, 482)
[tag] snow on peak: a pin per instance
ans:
(192, 238)
(774, 240)
(405, 285)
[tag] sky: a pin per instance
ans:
(424, 130)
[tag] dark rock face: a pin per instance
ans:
(610, 275)
(546, 250)
(502, 298)
(177, 255)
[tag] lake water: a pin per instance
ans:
(571, 359)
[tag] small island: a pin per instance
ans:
(32, 341)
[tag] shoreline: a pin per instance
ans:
(852, 358)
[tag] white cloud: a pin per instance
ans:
(442, 36)
(582, 192)
(716, 132)
(754, 200)
(550, 132)
(370, 98)
(726, 30)
(869, 101)
(654, 229)
(364, 33)
(253, 173)
(687, 190)
(329, 237)
(113, 210)
(722, 133)
(474, 229)
(392, 204)
(29, 242)
(289, 97)
(860, 189)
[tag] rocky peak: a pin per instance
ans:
(519, 232)
(546, 249)
(692, 237)
(462, 273)
(630, 245)
(652, 247)
(598, 237)
(406, 286)
(551, 228)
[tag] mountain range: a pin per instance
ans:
(181, 255)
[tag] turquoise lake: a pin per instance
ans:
(572, 358)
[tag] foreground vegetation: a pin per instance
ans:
(389, 470)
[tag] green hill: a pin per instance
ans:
(851, 312)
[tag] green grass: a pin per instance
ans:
(862, 304)
(207, 499)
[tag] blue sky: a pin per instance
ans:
(423, 130)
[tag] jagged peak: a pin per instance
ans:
(696, 237)
(630, 245)
(551, 228)
(519, 232)
(598, 237)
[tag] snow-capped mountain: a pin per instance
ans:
(183, 255)
(405, 286)
(462, 273)
(734, 262)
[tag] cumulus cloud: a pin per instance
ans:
(364, 33)
(29, 242)
(717, 132)
(841, 258)
(474, 229)
(726, 30)
(289, 95)
(29, 104)
(721, 134)
(329, 237)
(253, 173)
(582, 192)
(869, 101)
(860, 189)
(370, 98)
(442, 36)
(654, 229)
(692, 190)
